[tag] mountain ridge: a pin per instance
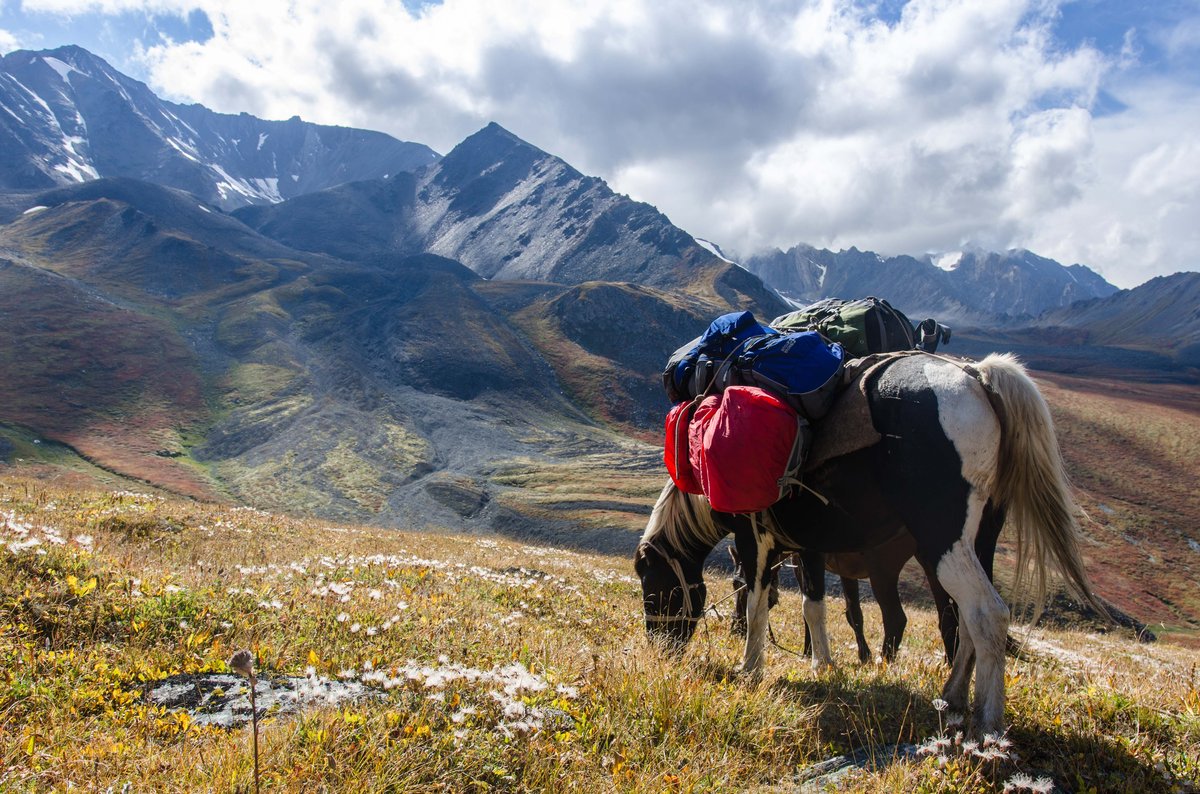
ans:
(510, 211)
(72, 117)
(975, 288)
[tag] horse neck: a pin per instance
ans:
(686, 524)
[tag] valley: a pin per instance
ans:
(472, 342)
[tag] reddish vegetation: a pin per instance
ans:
(116, 385)
(1132, 451)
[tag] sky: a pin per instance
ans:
(1067, 127)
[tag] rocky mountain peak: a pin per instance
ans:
(72, 117)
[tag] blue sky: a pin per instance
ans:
(1067, 127)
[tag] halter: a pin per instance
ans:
(684, 587)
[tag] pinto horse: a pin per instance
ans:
(963, 447)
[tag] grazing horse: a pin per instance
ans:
(962, 447)
(880, 565)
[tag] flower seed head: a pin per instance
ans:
(242, 662)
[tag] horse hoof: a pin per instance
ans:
(750, 674)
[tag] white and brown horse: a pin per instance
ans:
(964, 449)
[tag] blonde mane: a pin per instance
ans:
(683, 521)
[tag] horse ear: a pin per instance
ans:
(639, 559)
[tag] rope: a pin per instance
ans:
(701, 618)
(775, 642)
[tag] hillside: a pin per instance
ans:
(1131, 450)
(395, 660)
(1162, 315)
(119, 387)
(389, 388)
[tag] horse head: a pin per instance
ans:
(673, 593)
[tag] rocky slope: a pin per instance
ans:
(508, 210)
(71, 117)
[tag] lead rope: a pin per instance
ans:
(771, 631)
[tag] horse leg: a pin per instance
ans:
(800, 581)
(757, 551)
(985, 549)
(812, 588)
(854, 617)
(885, 581)
(946, 611)
(982, 631)
(737, 624)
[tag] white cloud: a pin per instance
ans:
(1136, 217)
(755, 124)
(8, 42)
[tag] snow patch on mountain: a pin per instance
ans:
(948, 261)
(715, 250)
(54, 99)
(63, 69)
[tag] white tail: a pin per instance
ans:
(1033, 486)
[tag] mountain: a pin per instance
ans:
(509, 210)
(969, 287)
(162, 340)
(1161, 315)
(71, 117)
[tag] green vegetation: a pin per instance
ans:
(493, 666)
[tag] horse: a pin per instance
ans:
(880, 565)
(963, 448)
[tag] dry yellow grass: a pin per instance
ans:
(121, 590)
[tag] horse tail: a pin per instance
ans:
(684, 521)
(1033, 487)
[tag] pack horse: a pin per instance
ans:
(963, 450)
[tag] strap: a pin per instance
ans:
(685, 588)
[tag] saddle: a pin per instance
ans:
(848, 426)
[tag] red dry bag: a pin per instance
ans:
(675, 450)
(747, 448)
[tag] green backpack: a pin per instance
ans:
(864, 326)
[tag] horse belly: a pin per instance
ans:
(858, 514)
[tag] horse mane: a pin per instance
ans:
(1033, 486)
(684, 521)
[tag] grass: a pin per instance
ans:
(123, 589)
